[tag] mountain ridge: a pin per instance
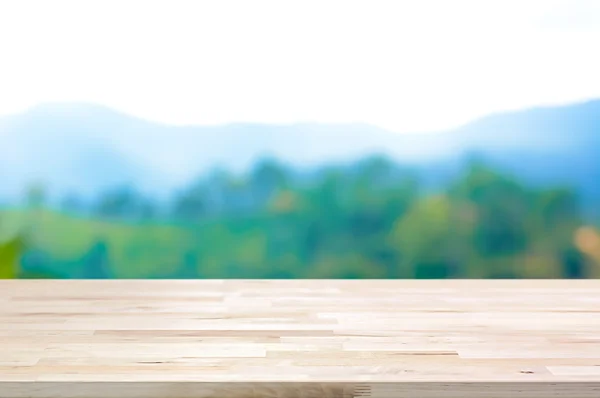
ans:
(91, 147)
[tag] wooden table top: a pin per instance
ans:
(283, 338)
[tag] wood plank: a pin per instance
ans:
(300, 338)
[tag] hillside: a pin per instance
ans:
(87, 148)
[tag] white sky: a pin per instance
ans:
(409, 65)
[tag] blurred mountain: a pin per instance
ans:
(545, 145)
(86, 148)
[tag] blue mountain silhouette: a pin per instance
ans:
(86, 148)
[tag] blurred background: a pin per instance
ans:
(327, 139)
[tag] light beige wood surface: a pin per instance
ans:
(308, 338)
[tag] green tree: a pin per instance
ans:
(96, 262)
(189, 266)
(424, 239)
(266, 178)
(120, 203)
(191, 204)
(10, 252)
(502, 208)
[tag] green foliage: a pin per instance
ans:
(369, 220)
(9, 257)
(422, 238)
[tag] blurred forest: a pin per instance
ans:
(370, 219)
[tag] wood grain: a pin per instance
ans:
(301, 338)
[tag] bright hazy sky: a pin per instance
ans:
(408, 65)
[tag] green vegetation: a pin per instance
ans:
(9, 258)
(368, 220)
